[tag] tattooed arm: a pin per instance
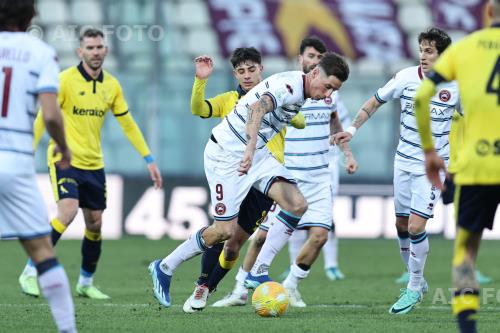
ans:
(256, 112)
(366, 111)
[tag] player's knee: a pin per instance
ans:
(94, 226)
(223, 231)
(231, 252)
(299, 206)
(416, 228)
(319, 239)
(401, 225)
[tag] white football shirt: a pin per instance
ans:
(287, 93)
(28, 67)
(307, 150)
(409, 154)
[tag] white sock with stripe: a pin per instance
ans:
(190, 248)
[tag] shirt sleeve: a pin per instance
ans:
(133, 133)
(218, 105)
(119, 106)
(284, 91)
(392, 89)
(48, 80)
(199, 107)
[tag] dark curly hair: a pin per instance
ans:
(242, 54)
(16, 15)
(438, 36)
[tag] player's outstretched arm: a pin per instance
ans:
(55, 126)
(203, 69)
(256, 112)
(366, 111)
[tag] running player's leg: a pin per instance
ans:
(253, 210)
(301, 267)
(317, 220)
(65, 189)
(23, 215)
(293, 205)
(330, 255)
(424, 197)
(475, 209)
(53, 282)
(93, 202)
(402, 203)
(227, 259)
(227, 191)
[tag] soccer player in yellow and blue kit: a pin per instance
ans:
(87, 93)
(474, 63)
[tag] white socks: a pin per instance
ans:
(295, 276)
(277, 237)
(295, 243)
(85, 280)
(55, 287)
(419, 248)
(404, 250)
(191, 247)
(239, 288)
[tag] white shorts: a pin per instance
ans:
(414, 194)
(319, 213)
(227, 188)
(22, 209)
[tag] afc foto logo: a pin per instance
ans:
(444, 95)
(220, 208)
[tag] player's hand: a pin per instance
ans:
(246, 163)
(351, 166)
(155, 175)
(204, 66)
(433, 165)
(341, 137)
(65, 161)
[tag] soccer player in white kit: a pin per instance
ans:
(307, 158)
(299, 237)
(29, 70)
(236, 159)
(414, 195)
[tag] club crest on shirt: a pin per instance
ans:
(328, 100)
(220, 208)
(444, 95)
(290, 89)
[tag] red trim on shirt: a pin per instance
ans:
(304, 85)
(420, 73)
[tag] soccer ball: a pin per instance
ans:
(270, 299)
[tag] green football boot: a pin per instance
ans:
(408, 299)
(29, 285)
(91, 292)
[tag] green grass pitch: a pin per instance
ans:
(358, 304)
